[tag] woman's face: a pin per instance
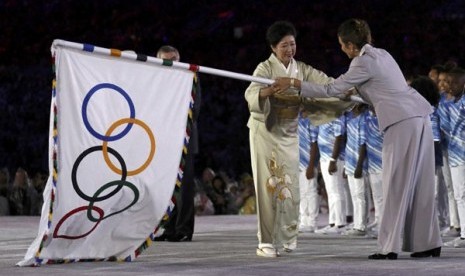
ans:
(285, 49)
(443, 83)
(349, 48)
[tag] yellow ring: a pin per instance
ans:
(152, 145)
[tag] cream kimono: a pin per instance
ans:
(274, 147)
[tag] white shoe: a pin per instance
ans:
(355, 232)
(322, 230)
(457, 243)
(336, 230)
(449, 243)
(451, 232)
(289, 247)
(332, 230)
(373, 225)
(267, 252)
(307, 229)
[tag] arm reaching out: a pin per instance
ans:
(310, 90)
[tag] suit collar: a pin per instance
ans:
(364, 48)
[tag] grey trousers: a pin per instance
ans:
(409, 221)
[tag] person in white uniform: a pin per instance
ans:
(456, 148)
(308, 175)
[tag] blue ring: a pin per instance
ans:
(84, 111)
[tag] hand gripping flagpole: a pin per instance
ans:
(175, 64)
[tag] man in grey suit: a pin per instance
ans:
(409, 221)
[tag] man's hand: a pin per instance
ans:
(358, 173)
(332, 167)
(310, 173)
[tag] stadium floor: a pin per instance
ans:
(225, 245)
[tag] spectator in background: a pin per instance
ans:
(202, 202)
(20, 201)
(218, 195)
(247, 199)
(38, 181)
(234, 198)
(4, 182)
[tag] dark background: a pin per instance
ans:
(224, 34)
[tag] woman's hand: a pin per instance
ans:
(268, 91)
(282, 84)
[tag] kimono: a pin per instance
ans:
(274, 146)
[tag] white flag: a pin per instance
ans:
(117, 133)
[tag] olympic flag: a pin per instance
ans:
(117, 131)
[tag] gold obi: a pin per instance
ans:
(290, 112)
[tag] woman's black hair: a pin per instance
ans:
(278, 30)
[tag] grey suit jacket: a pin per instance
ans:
(380, 82)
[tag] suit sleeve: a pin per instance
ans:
(358, 73)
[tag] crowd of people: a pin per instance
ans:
(217, 194)
(22, 196)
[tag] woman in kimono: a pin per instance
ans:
(409, 222)
(274, 144)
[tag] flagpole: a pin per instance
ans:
(176, 64)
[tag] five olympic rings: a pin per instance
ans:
(122, 170)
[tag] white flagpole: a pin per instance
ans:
(176, 64)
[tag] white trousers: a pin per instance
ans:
(458, 181)
(441, 199)
(358, 192)
(348, 196)
(309, 199)
(376, 185)
(335, 191)
(446, 173)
